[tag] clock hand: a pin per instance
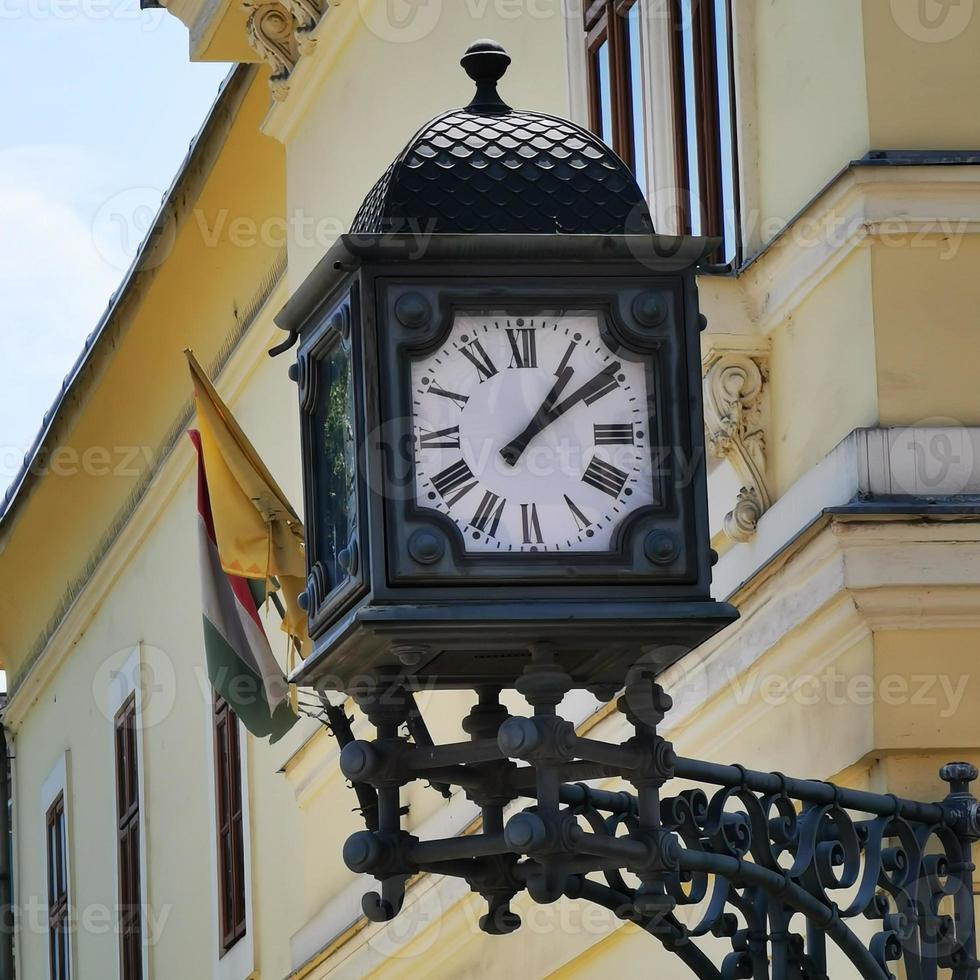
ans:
(541, 419)
(605, 379)
(550, 412)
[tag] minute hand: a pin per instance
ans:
(549, 413)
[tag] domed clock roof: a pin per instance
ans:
(488, 168)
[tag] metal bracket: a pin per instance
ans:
(777, 866)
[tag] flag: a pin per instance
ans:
(258, 534)
(241, 665)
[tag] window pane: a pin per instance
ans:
(691, 119)
(726, 129)
(231, 844)
(604, 82)
(636, 96)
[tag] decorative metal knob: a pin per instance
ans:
(650, 309)
(363, 852)
(485, 61)
(958, 772)
(661, 547)
(413, 310)
(518, 736)
(359, 760)
(526, 832)
(426, 547)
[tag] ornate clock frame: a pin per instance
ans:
(401, 593)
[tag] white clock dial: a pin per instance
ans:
(531, 433)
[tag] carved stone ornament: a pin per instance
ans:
(307, 14)
(736, 418)
(272, 34)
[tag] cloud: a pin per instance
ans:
(54, 283)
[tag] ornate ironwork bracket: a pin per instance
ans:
(781, 867)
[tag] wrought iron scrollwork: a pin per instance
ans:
(781, 868)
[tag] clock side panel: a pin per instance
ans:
(331, 398)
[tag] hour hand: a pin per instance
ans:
(541, 419)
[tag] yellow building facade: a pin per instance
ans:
(840, 375)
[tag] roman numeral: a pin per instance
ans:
(480, 359)
(605, 477)
(568, 356)
(488, 513)
(524, 347)
(457, 479)
(459, 399)
(530, 524)
(581, 521)
(440, 438)
(614, 435)
(603, 387)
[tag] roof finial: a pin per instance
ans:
(485, 62)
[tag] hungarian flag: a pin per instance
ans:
(259, 535)
(241, 665)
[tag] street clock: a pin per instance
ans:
(499, 381)
(503, 452)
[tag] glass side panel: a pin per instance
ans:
(333, 449)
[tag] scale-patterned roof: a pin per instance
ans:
(492, 169)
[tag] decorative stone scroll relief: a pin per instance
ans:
(736, 417)
(272, 35)
(307, 14)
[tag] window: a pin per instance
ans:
(128, 830)
(231, 835)
(615, 74)
(58, 920)
(700, 172)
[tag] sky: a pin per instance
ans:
(100, 104)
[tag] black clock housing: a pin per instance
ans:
(390, 585)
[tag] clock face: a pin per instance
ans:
(532, 433)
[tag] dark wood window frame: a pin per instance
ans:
(128, 832)
(606, 23)
(230, 825)
(59, 957)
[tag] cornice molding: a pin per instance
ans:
(201, 18)
(910, 464)
(862, 205)
(175, 466)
